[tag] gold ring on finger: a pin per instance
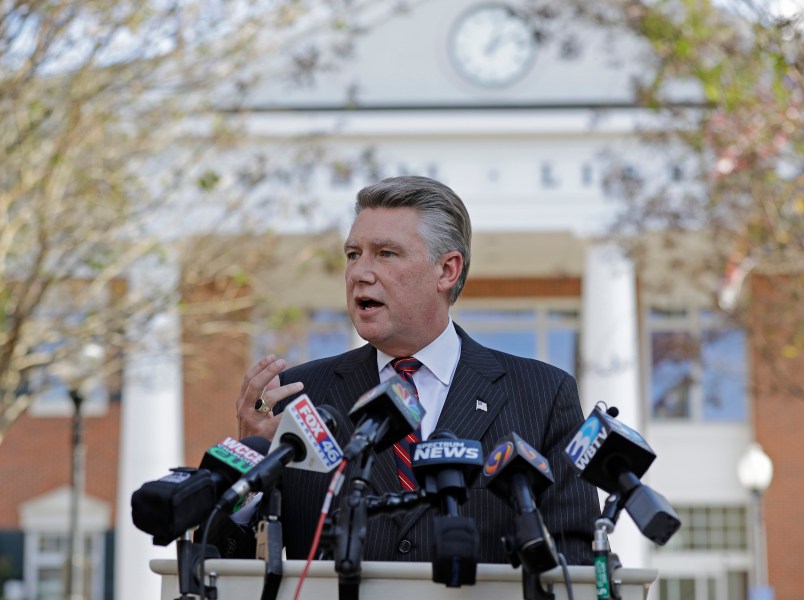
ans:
(261, 406)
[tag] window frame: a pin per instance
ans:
(694, 321)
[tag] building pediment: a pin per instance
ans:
(450, 54)
(50, 512)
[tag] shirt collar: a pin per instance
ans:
(440, 356)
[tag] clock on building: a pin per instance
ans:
(491, 45)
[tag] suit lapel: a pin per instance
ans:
(473, 400)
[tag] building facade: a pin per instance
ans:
(523, 136)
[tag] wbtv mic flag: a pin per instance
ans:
(303, 440)
(603, 449)
(614, 457)
(383, 416)
(170, 506)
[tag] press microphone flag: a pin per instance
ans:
(301, 420)
(603, 448)
(445, 464)
(512, 455)
(614, 457)
(236, 457)
(383, 416)
(515, 471)
(183, 499)
(303, 440)
(445, 467)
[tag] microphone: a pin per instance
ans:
(383, 415)
(444, 467)
(304, 440)
(614, 457)
(182, 500)
(514, 471)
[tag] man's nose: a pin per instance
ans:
(361, 270)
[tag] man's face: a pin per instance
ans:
(397, 299)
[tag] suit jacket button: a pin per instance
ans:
(405, 546)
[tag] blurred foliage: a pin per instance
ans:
(122, 152)
(726, 84)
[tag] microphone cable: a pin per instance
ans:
(334, 487)
(565, 571)
(202, 576)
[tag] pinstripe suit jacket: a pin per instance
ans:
(529, 397)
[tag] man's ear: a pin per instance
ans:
(451, 265)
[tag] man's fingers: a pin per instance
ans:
(271, 396)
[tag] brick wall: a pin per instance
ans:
(778, 377)
(214, 365)
(36, 454)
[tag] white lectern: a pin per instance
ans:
(239, 579)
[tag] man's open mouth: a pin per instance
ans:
(368, 303)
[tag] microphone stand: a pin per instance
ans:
(188, 556)
(608, 588)
(530, 546)
(269, 545)
(350, 536)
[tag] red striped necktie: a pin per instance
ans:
(406, 367)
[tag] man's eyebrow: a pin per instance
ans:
(378, 243)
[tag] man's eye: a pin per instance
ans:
(351, 255)
(386, 253)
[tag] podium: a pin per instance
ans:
(242, 579)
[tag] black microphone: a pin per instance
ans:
(614, 457)
(304, 440)
(383, 416)
(515, 471)
(444, 467)
(182, 500)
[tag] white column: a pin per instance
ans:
(151, 425)
(610, 358)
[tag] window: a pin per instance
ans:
(713, 528)
(46, 557)
(548, 334)
(731, 585)
(717, 537)
(306, 336)
(698, 367)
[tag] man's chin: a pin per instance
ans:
(371, 332)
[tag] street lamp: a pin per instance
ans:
(75, 373)
(755, 472)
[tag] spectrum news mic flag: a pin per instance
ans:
(182, 500)
(303, 440)
(445, 467)
(614, 457)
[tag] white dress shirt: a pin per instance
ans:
(439, 361)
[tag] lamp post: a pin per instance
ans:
(74, 373)
(73, 589)
(755, 472)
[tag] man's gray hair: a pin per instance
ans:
(444, 224)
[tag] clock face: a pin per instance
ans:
(490, 45)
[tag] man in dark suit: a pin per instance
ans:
(408, 256)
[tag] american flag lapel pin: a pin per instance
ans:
(481, 406)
